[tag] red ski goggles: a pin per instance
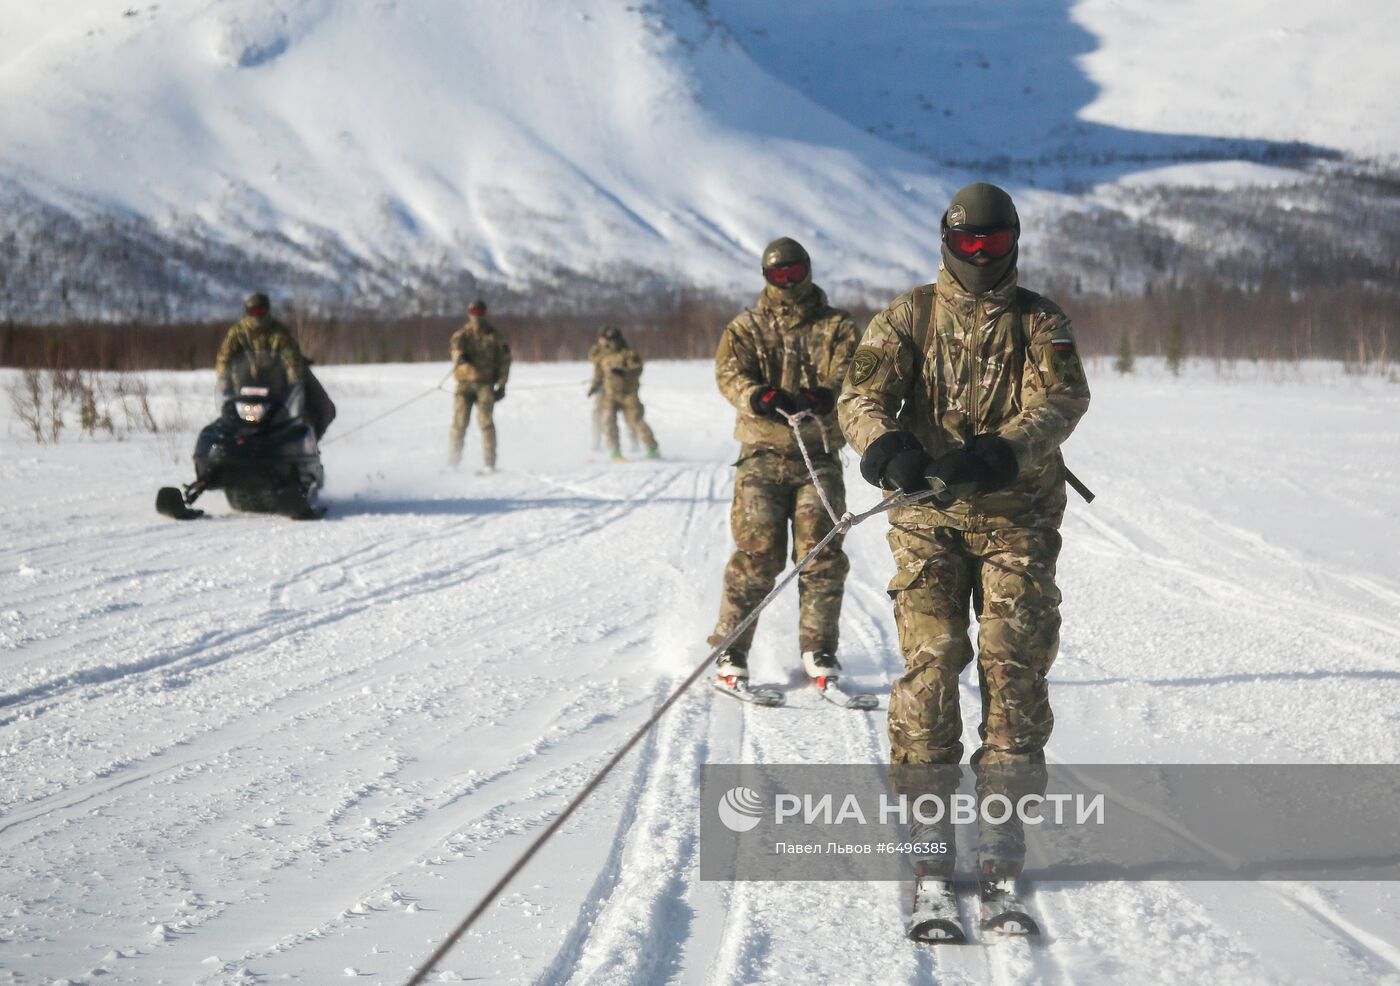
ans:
(786, 275)
(993, 243)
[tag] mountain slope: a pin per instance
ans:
(365, 152)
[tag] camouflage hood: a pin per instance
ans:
(791, 305)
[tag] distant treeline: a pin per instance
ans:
(1348, 323)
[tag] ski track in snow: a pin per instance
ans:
(242, 749)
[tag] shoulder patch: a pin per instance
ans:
(864, 364)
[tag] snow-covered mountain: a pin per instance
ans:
(156, 158)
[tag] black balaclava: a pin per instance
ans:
(980, 207)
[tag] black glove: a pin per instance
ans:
(999, 458)
(960, 472)
(895, 461)
(770, 400)
(500, 392)
(818, 400)
(985, 465)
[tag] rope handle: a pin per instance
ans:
(795, 423)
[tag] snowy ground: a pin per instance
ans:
(246, 749)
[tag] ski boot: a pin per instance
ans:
(1001, 909)
(823, 668)
(732, 678)
(934, 918)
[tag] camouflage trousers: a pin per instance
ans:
(632, 411)
(1008, 577)
(772, 491)
(483, 395)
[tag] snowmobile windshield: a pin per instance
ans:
(261, 394)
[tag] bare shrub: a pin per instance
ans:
(1124, 361)
(26, 393)
(46, 401)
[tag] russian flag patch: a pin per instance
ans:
(1063, 345)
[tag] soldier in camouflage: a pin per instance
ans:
(593, 352)
(973, 381)
(259, 337)
(617, 374)
(481, 365)
(970, 385)
(786, 354)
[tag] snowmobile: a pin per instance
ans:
(262, 451)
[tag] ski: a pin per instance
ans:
(170, 502)
(1002, 911)
(855, 701)
(740, 688)
(934, 919)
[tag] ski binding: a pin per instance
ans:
(833, 693)
(740, 688)
(1003, 912)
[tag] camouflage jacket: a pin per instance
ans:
(479, 345)
(260, 337)
(617, 370)
(790, 347)
(945, 365)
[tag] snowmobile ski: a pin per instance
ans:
(1002, 911)
(170, 502)
(856, 701)
(740, 688)
(934, 919)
